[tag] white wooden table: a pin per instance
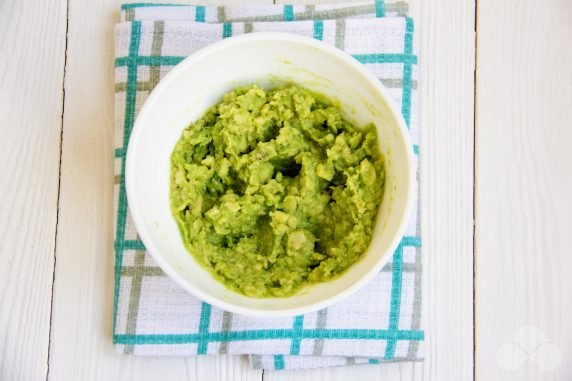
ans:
(496, 165)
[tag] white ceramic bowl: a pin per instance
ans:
(266, 59)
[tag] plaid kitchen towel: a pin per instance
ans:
(152, 315)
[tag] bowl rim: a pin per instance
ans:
(172, 76)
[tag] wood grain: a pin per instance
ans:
(524, 178)
(32, 55)
(447, 103)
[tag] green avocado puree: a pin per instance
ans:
(275, 190)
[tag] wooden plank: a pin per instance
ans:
(88, 351)
(524, 178)
(83, 295)
(447, 64)
(404, 371)
(447, 51)
(32, 53)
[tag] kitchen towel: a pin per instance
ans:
(152, 315)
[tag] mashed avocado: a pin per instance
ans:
(275, 190)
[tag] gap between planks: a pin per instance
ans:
(475, 73)
(59, 187)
